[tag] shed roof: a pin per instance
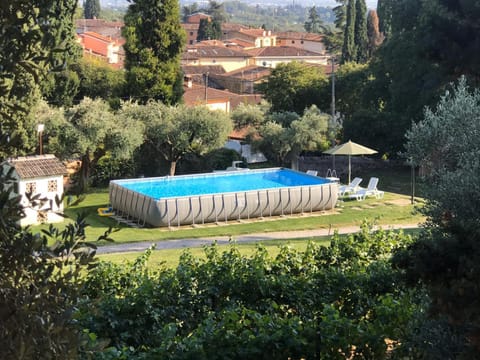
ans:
(28, 167)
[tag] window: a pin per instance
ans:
(191, 42)
(293, 41)
(52, 186)
(191, 33)
(301, 42)
(31, 187)
(42, 217)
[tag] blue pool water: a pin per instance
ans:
(214, 183)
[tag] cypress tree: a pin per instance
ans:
(384, 11)
(373, 32)
(361, 39)
(154, 42)
(91, 9)
(349, 49)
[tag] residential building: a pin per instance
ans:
(102, 47)
(241, 81)
(273, 55)
(214, 99)
(256, 38)
(302, 40)
(42, 175)
(215, 55)
(112, 29)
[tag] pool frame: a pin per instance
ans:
(139, 209)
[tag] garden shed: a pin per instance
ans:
(40, 174)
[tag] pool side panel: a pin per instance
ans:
(200, 209)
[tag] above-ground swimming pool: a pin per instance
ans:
(220, 196)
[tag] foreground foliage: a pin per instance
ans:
(39, 284)
(446, 257)
(324, 303)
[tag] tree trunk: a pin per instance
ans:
(173, 165)
(84, 174)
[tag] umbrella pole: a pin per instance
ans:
(349, 169)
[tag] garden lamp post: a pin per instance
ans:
(40, 128)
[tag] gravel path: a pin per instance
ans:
(249, 238)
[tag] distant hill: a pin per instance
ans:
(371, 4)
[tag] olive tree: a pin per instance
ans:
(91, 130)
(175, 131)
(283, 141)
(446, 257)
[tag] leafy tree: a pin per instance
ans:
(246, 115)
(98, 80)
(446, 256)
(274, 142)
(217, 11)
(314, 23)
(445, 144)
(410, 69)
(375, 38)
(91, 9)
(349, 50)
(60, 87)
(294, 87)
(154, 42)
(334, 38)
(41, 277)
(209, 29)
(285, 135)
(360, 37)
(90, 130)
(35, 40)
(173, 132)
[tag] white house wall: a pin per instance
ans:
(41, 187)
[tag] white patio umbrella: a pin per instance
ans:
(350, 148)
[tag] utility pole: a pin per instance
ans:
(206, 87)
(333, 87)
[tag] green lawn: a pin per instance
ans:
(170, 257)
(394, 208)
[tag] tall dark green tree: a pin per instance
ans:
(334, 37)
(385, 13)
(361, 39)
(209, 29)
(349, 52)
(91, 9)
(154, 43)
(314, 23)
(217, 11)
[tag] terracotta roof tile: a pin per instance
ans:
(293, 35)
(281, 51)
(196, 94)
(251, 72)
(213, 51)
(29, 167)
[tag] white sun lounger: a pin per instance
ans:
(371, 190)
(351, 188)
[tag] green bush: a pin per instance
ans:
(326, 302)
